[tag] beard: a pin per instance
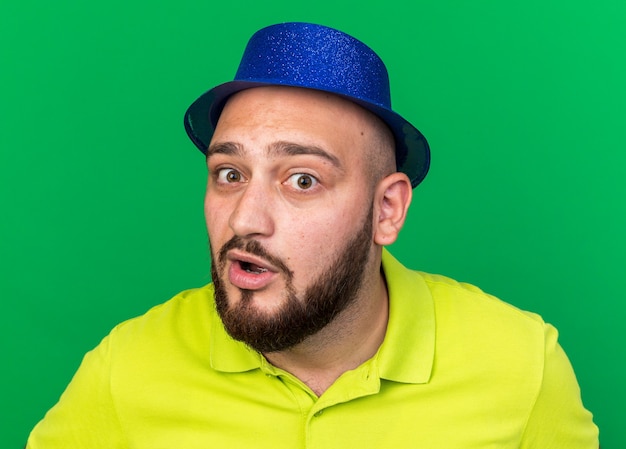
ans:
(298, 317)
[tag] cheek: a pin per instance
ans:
(216, 215)
(311, 247)
(325, 233)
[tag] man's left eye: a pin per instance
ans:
(302, 181)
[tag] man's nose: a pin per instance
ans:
(252, 215)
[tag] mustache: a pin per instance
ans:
(255, 248)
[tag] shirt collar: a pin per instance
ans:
(407, 353)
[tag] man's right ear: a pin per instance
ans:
(392, 199)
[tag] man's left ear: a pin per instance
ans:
(392, 199)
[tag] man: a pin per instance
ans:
(313, 335)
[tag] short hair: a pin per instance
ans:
(380, 151)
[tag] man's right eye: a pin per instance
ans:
(228, 175)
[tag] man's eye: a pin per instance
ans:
(228, 175)
(302, 181)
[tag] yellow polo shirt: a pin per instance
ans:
(458, 369)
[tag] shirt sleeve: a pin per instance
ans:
(85, 415)
(558, 419)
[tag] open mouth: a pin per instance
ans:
(249, 267)
(250, 272)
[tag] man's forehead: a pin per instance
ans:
(295, 96)
(291, 121)
(300, 109)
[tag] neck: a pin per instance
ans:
(350, 340)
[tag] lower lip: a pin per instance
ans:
(245, 280)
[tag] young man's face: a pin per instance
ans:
(289, 213)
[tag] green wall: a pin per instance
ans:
(524, 104)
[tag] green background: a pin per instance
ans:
(524, 104)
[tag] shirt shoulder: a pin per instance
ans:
(179, 327)
(469, 303)
(468, 327)
(190, 307)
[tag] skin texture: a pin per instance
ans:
(301, 173)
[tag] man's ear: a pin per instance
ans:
(392, 199)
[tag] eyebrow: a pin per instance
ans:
(228, 148)
(275, 149)
(294, 149)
